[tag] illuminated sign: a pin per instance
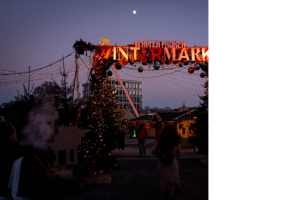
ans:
(153, 50)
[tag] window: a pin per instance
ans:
(127, 85)
(124, 99)
(130, 92)
(120, 91)
(140, 93)
(133, 85)
(130, 85)
(133, 92)
(117, 83)
(137, 99)
(140, 86)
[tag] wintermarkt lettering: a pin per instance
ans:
(153, 50)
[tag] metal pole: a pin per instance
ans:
(74, 83)
(77, 76)
(29, 83)
(124, 89)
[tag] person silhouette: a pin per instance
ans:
(169, 173)
(141, 135)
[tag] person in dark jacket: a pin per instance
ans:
(141, 134)
(121, 139)
(33, 182)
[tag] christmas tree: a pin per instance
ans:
(200, 139)
(104, 118)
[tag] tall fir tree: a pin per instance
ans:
(201, 137)
(67, 110)
(103, 120)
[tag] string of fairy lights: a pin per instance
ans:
(171, 83)
(157, 85)
(37, 77)
(12, 91)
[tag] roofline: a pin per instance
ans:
(185, 113)
(157, 115)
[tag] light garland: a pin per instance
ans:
(50, 65)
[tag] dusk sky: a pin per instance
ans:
(38, 33)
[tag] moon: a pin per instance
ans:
(134, 12)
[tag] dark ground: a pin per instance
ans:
(135, 178)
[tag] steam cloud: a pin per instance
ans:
(34, 137)
(33, 132)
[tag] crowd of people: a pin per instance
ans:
(24, 175)
(166, 139)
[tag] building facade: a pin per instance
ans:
(134, 89)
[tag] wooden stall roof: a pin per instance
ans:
(170, 116)
(142, 118)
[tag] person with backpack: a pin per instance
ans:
(168, 150)
(141, 135)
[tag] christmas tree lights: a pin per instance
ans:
(102, 121)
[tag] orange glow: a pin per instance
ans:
(204, 53)
(135, 50)
(183, 51)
